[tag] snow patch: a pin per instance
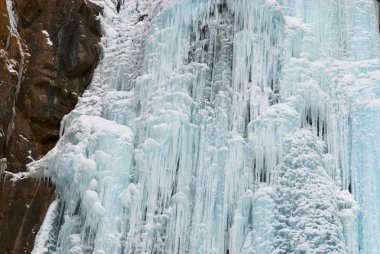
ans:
(48, 41)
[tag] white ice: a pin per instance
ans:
(217, 126)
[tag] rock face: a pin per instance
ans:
(48, 52)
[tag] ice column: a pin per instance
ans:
(217, 126)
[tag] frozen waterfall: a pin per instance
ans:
(223, 126)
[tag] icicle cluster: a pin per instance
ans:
(217, 126)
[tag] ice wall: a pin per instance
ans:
(218, 126)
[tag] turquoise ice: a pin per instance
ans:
(212, 126)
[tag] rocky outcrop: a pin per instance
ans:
(48, 52)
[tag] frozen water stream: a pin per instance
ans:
(217, 126)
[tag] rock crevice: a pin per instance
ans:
(46, 61)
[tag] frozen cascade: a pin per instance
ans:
(223, 126)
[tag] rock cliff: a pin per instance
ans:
(48, 52)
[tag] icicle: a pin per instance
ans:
(45, 239)
(3, 165)
(231, 126)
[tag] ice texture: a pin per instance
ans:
(217, 126)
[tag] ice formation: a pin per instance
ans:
(223, 126)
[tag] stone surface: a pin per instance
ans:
(57, 46)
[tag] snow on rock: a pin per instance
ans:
(48, 41)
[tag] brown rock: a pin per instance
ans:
(58, 47)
